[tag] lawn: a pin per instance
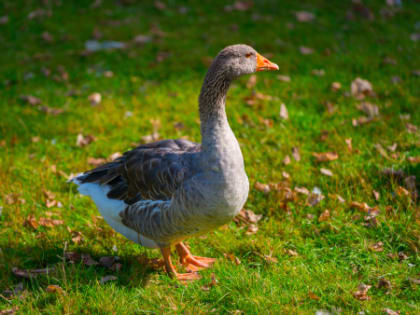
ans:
(329, 229)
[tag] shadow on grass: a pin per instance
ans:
(129, 270)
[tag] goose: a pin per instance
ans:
(161, 193)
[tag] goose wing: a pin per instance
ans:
(152, 171)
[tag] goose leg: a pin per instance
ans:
(191, 262)
(170, 269)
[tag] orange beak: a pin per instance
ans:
(265, 64)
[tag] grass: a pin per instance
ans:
(333, 256)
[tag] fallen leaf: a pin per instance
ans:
(160, 5)
(30, 273)
(107, 261)
(326, 172)
(369, 109)
(349, 144)
(251, 81)
(335, 86)
(302, 190)
(296, 154)
(95, 98)
(47, 37)
(377, 247)
(414, 159)
(248, 217)
(285, 175)
(31, 222)
(283, 112)
(51, 110)
(360, 206)
(411, 128)
(304, 16)
(313, 296)
(361, 88)
(212, 284)
(4, 20)
(292, 252)
(31, 100)
(9, 311)
(150, 138)
(318, 72)
(401, 191)
(306, 50)
(96, 161)
(76, 237)
(232, 258)
(52, 288)
(252, 229)
(361, 121)
(313, 199)
(376, 195)
(402, 256)
(361, 293)
(325, 156)
(325, 216)
(47, 222)
(83, 141)
(414, 280)
(108, 278)
(381, 150)
(73, 257)
(88, 260)
(265, 188)
(384, 283)
(286, 160)
(239, 6)
(389, 311)
(284, 78)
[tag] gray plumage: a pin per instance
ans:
(173, 189)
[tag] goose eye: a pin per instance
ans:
(248, 55)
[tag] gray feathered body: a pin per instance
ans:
(174, 189)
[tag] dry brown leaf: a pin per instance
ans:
(361, 293)
(318, 72)
(31, 222)
(265, 188)
(83, 141)
(414, 159)
(160, 5)
(232, 258)
(114, 156)
(389, 311)
(369, 109)
(73, 257)
(384, 283)
(76, 237)
(360, 206)
(414, 280)
(349, 144)
(239, 6)
(212, 284)
(283, 78)
(292, 252)
(88, 260)
(361, 88)
(313, 199)
(286, 160)
(335, 86)
(30, 273)
(302, 190)
(108, 278)
(47, 37)
(313, 296)
(151, 138)
(376, 195)
(325, 156)
(95, 98)
(326, 172)
(47, 222)
(31, 100)
(285, 175)
(251, 81)
(247, 217)
(53, 288)
(252, 229)
(51, 110)
(304, 16)
(361, 121)
(96, 161)
(306, 50)
(325, 216)
(296, 154)
(284, 114)
(411, 128)
(377, 247)
(9, 311)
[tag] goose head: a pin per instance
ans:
(236, 60)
